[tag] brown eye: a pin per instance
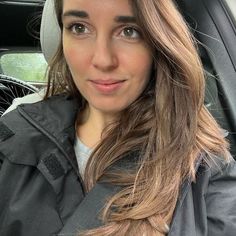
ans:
(79, 29)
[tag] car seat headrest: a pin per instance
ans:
(50, 33)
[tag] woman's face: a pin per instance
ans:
(109, 61)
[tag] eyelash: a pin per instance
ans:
(71, 27)
(134, 29)
(138, 35)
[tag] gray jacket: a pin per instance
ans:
(42, 194)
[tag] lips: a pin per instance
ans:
(107, 82)
(107, 86)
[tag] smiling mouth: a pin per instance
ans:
(107, 82)
(107, 86)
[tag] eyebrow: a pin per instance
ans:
(125, 19)
(84, 14)
(75, 13)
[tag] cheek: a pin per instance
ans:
(142, 66)
(138, 59)
(71, 57)
(142, 69)
(76, 58)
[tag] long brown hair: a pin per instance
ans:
(162, 133)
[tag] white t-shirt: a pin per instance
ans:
(82, 153)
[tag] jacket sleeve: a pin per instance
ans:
(28, 203)
(221, 201)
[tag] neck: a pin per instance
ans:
(92, 125)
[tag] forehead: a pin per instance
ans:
(107, 7)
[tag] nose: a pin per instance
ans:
(105, 55)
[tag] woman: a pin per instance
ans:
(122, 143)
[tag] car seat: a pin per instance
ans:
(214, 25)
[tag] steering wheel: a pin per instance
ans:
(11, 88)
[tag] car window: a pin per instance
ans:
(26, 66)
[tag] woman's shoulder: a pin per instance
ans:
(219, 166)
(28, 99)
(34, 109)
(36, 100)
(217, 172)
(25, 130)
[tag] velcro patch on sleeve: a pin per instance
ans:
(54, 166)
(5, 132)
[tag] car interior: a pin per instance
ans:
(28, 27)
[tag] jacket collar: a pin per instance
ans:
(39, 128)
(55, 115)
(55, 118)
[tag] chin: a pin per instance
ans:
(110, 109)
